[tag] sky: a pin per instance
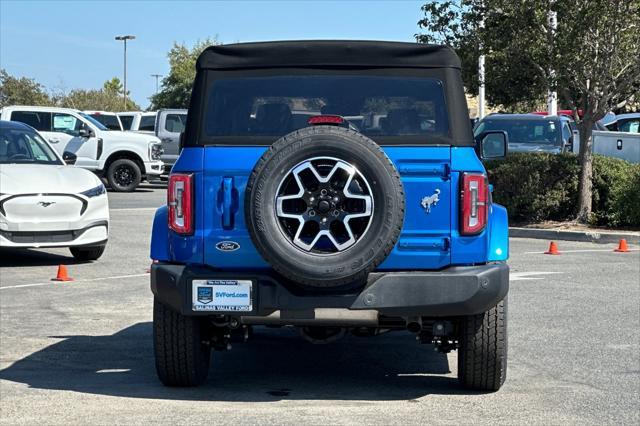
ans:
(70, 44)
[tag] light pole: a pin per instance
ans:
(552, 94)
(481, 76)
(157, 76)
(124, 39)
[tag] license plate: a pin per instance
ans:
(222, 295)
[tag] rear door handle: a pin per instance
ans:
(54, 140)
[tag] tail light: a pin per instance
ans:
(474, 203)
(180, 201)
(325, 119)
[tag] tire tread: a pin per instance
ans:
(181, 359)
(482, 356)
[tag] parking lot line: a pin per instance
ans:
(73, 282)
(520, 276)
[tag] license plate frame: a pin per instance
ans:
(222, 295)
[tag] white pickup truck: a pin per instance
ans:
(623, 145)
(124, 158)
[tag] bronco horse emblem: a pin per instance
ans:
(431, 200)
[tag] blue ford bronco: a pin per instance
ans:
(335, 187)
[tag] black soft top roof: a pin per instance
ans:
(327, 53)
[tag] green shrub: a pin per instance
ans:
(538, 186)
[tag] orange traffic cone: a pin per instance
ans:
(62, 274)
(622, 246)
(553, 249)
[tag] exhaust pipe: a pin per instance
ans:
(414, 324)
(322, 335)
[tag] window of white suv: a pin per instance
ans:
(147, 123)
(110, 121)
(66, 123)
(39, 120)
(93, 121)
(127, 121)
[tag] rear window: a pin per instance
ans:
(109, 121)
(127, 121)
(377, 106)
(148, 123)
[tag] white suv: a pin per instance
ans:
(124, 158)
(110, 120)
(137, 121)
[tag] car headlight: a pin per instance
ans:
(94, 192)
(155, 150)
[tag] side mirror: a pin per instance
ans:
(69, 158)
(86, 133)
(492, 144)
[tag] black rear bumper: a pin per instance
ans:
(455, 291)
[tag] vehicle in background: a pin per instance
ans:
(169, 124)
(109, 120)
(629, 123)
(556, 134)
(45, 203)
(606, 142)
(567, 113)
(124, 158)
(530, 132)
(561, 112)
(137, 121)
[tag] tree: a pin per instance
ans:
(109, 98)
(592, 59)
(114, 86)
(21, 91)
(176, 87)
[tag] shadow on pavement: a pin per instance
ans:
(276, 364)
(32, 257)
(139, 190)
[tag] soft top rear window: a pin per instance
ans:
(380, 107)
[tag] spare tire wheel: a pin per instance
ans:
(324, 206)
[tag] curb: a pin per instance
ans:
(586, 236)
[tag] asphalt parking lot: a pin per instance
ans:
(80, 352)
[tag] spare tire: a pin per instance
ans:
(324, 206)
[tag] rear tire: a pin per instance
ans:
(87, 253)
(182, 359)
(482, 356)
(124, 175)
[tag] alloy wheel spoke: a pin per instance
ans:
(324, 204)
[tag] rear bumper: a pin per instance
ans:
(455, 291)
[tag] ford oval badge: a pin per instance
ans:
(227, 246)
